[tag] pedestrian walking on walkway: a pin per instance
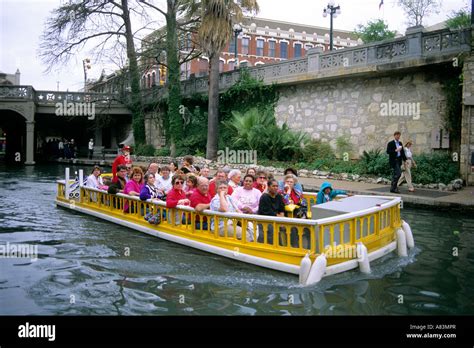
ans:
(395, 156)
(409, 163)
(91, 148)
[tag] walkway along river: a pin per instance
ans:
(88, 266)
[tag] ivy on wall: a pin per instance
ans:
(245, 94)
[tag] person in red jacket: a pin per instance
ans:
(177, 196)
(122, 159)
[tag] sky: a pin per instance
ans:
(22, 22)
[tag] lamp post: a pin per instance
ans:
(237, 31)
(333, 11)
(86, 65)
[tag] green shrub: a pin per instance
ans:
(375, 162)
(343, 145)
(316, 150)
(144, 150)
(434, 168)
(163, 152)
(350, 167)
(256, 129)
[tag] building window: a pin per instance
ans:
(203, 67)
(283, 49)
(297, 50)
(245, 45)
(231, 64)
(221, 66)
(260, 47)
(244, 64)
(153, 79)
(232, 45)
(271, 48)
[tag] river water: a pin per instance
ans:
(87, 266)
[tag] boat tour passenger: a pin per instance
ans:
(134, 185)
(271, 204)
(94, 180)
(201, 200)
(222, 176)
(204, 172)
(119, 182)
(234, 177)
(191, 184)
(261, 181)
(251, 171)
(163, 183)
(154, 169)
(327, 193)
(177, 196)
(247, 197)
(293, 198)
(149, 191)
(223, 202)
(173, 167)
(293, 171)
(188, 165)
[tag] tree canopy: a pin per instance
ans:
(374, 31)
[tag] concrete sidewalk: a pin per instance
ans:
(458, 200)
(463, 199)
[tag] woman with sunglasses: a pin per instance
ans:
(177, 196)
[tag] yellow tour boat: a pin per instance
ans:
(338, 236)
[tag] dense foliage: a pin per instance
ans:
(374, 31)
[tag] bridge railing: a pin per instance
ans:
(17, 92)
(53, 97)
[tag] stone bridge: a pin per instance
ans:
(32, 105)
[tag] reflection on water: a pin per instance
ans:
(83, 268)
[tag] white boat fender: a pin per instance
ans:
(317, 270)
(363, 258)
(305, 267)
(401, 243)
(408, 234)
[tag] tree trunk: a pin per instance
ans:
(213, 115)
(174, 88)
(138, 119)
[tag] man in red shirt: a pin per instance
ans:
(122, 159)
(220, 175)
(201, 200)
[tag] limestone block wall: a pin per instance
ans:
(367, 110)
(467, 125)
(154, 129)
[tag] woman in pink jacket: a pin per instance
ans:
(133, 186)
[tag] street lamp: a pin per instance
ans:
(333, 11)
(86, 65)
(237, 31)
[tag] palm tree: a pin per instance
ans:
(215, 32)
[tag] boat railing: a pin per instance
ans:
(374, 227)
